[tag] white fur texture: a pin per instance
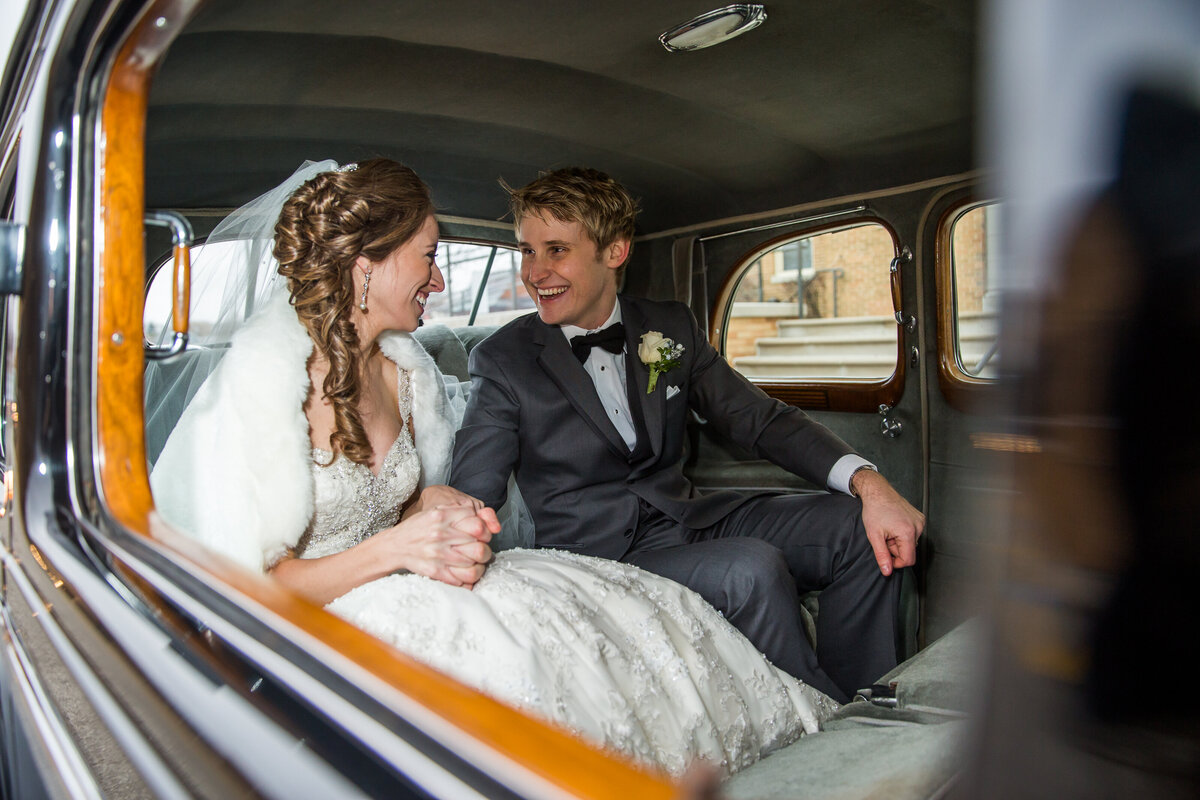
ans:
(235, 473)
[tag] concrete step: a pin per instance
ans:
(806, 369)
(824, 361)
(878, 346)
(837, 328)
(970, 325)
(816, 366)
(849, 367)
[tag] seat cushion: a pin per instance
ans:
(446, 348)
(899, 762)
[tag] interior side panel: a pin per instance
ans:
(717, 463)
(962, 486)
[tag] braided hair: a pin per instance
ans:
(323, 228)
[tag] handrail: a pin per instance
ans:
(181, 283)
(487, 271)
(845, 212)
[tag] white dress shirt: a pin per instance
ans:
(607, 371)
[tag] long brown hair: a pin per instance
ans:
(323, 228)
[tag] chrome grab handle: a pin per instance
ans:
(908, 322)
(181, 284)
(887, 426)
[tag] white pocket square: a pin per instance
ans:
(672, 391)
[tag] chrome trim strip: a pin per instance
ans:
(478, 223)
(93, 104)
(153, 770)
(220, 716)
(845, 212)
(70, 767)
(29, 70)
(372, 733)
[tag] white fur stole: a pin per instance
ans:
(236, 472)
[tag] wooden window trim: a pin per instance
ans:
(518, 745)
(962, 390)
(821, 394)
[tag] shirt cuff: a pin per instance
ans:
(844, 469)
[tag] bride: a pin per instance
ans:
(315, 452)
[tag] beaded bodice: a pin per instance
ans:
(351, 502)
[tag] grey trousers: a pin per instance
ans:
(755, 563)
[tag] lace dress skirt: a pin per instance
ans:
(624, 658)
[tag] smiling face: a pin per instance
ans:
(572, 281)
(400, 283)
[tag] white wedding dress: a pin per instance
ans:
(622, 657)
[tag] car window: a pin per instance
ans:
(976, 278)
(816, 307)
(210, 271)
(465, 265)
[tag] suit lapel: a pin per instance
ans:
(653, 405)
(565, 370)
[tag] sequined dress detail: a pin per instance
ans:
(624, 658)
(351, 502)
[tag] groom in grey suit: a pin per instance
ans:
(587, 406)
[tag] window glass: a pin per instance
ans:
(817, 307)
(209, 274)
(976, 274)
(464, 265)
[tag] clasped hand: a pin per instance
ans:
(447, 537)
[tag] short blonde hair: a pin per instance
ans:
(578, 194)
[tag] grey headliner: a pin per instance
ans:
(826, 98)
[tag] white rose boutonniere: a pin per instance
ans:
(660, 354)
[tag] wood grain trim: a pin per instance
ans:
(963, 392)
(553, 762)
(549, 760)
(846, 395)
(121, 442)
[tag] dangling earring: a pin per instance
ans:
(362, 304)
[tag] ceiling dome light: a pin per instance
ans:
(714, 27)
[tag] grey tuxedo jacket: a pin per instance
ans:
(534, 412)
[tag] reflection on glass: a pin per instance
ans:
(817, 307)
(976, 270)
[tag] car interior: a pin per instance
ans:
(953, 232)
(809, 185)
(818, 170)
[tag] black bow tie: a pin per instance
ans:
(611, 339)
